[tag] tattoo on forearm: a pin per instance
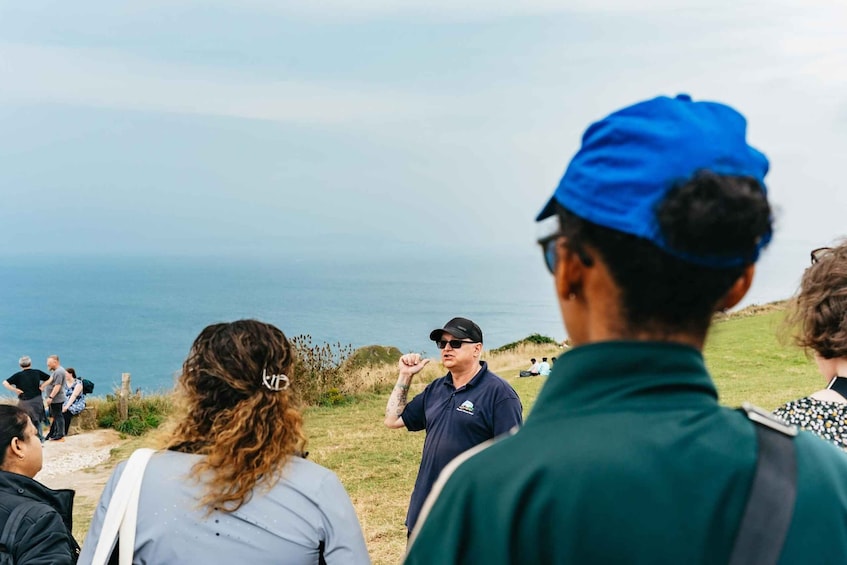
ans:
(397, 400)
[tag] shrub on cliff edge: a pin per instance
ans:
(534, 339)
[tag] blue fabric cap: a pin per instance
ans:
(631, 159)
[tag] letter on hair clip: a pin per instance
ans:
(274, 382)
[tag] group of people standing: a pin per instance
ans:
(58, 395)
(627, 457)
(36, 521)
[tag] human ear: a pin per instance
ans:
(738, 289)
(15, 448)
(569, 272)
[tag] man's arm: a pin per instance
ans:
(54, 392)
(13, 388)
(409, 365)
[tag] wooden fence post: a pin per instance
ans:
(123, 400)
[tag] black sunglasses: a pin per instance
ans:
(548, 249)
(818, 254)
(454, 343)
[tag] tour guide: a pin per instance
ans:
(627, 456)
(467, 406)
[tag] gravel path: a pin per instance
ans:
(69, 462)
(79, 451)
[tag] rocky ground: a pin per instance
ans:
(78, 463)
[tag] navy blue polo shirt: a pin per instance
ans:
(456, 420)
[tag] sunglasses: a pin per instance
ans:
(454, 343)
(548, 250)
(551, 254)
(819, 253)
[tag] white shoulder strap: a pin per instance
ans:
(122, 511)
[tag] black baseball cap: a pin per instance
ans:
(460, 328)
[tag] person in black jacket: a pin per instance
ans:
(26, 384)
(43, 536)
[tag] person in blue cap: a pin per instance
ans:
(627, 456)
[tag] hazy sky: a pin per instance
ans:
(381, 126)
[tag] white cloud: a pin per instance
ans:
(99, 78)
(753, 11)
(819, 44)
(447, 10)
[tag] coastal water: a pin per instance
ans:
(105, 316)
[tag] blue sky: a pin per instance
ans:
(259, 127)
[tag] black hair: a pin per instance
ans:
(708, 216)
(13, 424)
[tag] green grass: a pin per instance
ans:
(536, 339)
(748, 363)
(143, 413)
(371, 355)
(378, 466)
(84, 506)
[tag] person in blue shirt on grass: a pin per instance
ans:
(460, 410)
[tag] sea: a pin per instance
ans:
(106, 316)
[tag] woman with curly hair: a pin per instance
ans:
(231, 485)
(818, 312)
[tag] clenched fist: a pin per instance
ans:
(411, 364)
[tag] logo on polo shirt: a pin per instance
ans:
(466, 407)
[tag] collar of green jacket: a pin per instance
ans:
(626, 375)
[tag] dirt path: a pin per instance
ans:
(81, 463)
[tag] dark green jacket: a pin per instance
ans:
(626, 458)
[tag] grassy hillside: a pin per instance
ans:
(378, 466)
(748, 362)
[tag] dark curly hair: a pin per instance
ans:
(818, 312)
(708, 216)
(246, 431)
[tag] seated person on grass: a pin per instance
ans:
(532, 371)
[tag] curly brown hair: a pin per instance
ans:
(818, 312)
(246, 431)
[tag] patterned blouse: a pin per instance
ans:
(826, 419)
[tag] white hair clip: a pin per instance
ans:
(274, 382)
